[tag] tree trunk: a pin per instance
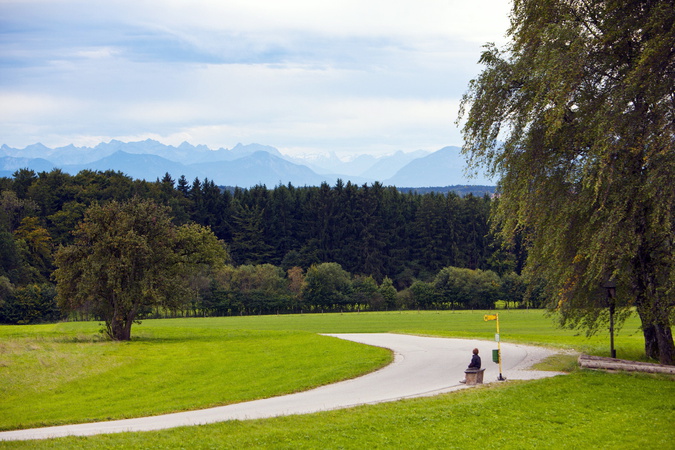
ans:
(662, 343)
(652, 307)
(659, 342)
(120, 329)
(666, 345)
(651, 341)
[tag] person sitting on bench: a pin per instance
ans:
(475, 360)
(474, 364)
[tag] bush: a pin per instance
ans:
(327, 284)
(424, 294)
(470, 289)
(30, 304)
(366, 291)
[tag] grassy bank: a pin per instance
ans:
(582, 410)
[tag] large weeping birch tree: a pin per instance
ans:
(576, 118)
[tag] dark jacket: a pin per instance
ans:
(475, 362)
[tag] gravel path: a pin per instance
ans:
(422, 366)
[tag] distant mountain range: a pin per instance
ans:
(243, 165)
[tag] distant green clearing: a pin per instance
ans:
(521, 326)
(64, 373)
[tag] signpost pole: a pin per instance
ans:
(499, 350)
(486, 318)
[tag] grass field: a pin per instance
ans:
(521, 326)
(50, 379)
(174, 364)
(580, 411)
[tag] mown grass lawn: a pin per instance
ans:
(520, 326)
(578, 411)
(51, 378)
(63, 373)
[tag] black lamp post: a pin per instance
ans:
(610, 286)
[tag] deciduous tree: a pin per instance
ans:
(127, 257)
(327, 284)
(576, 115)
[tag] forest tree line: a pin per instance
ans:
(341, 247)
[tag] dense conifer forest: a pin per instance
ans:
(343, 247)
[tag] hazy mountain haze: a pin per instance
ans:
(243, 165)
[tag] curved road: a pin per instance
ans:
(422, 366)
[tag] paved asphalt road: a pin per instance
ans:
(423, 366)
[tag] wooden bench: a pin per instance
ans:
(474, 376)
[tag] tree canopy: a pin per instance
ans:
(128, 256)
(576, 116)
(381, 237)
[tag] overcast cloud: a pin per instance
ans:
(363, 76)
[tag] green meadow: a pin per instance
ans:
(66, 373)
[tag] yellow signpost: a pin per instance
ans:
(486, 318)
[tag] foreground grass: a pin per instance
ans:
(55, 378)
(64, 373)
(582, 410)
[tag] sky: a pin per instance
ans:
(307, 77)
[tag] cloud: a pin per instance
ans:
(21, 108)
(97, 53)
(476, 20)
(346, 126)
(367, 75)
